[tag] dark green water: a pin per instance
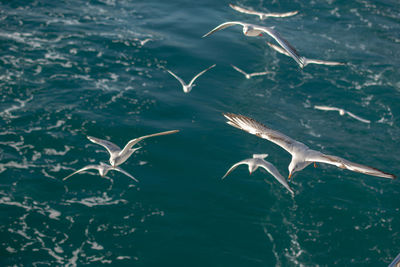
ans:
(69, 69)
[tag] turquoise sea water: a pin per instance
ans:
(69, 69)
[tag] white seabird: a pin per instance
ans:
(118, 156)
(258, 161)
(263, 15)
(249, 75)
(103, 170)
(305, 60)
(302, 155)
(255, 30)
(188, 87)
(342, 112)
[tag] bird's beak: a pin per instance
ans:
(260, 34)
(290, 175)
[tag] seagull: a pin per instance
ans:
(342, 112)
(258, 161)
(250, 75)
(188, 87)
(305, 60)
(261, 14)
(302, 155)
(255, 30)
(143, 42)
(103, 170)
(118, 156)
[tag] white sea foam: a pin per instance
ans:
(30, 205)
(53, 152)
(274, 251)
(16, 165)
(62, 21)
(97, 201)
(21, 38)
(7, 112)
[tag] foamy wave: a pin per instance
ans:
(97, 201)
(7, 112)
(53, 152)
(30, 205)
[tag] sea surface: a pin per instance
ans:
(69, 69)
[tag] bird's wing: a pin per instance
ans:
(274, 172)
(281, 15)
(246, 161)
(357, 118)
(176, 77)
(251, 126)
(111, 147)
(125, 172)
(282, 42)
(133, 142)
(259, 73)
(315, 156)
(322, 62)
(278, 49)
(326, 108)
(239, 70)
(201, 73)
(223, 26)
(88, 167)
(244, 10)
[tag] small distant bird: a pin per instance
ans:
(261, 14)
(143, 42)
(188, 87)
(305, 60)
(249, 75)
(258, 161)
(103, 170)
(302, 155)
(255, 30)
(118, 156)
(342, 112)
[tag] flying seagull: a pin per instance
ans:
(302, 155)
(255, 30)
(342, 112)
(103, 170)
(305, 60)
(258, 161)
(118, 156)
(261, 14)
(188, 87)
(249, 75)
